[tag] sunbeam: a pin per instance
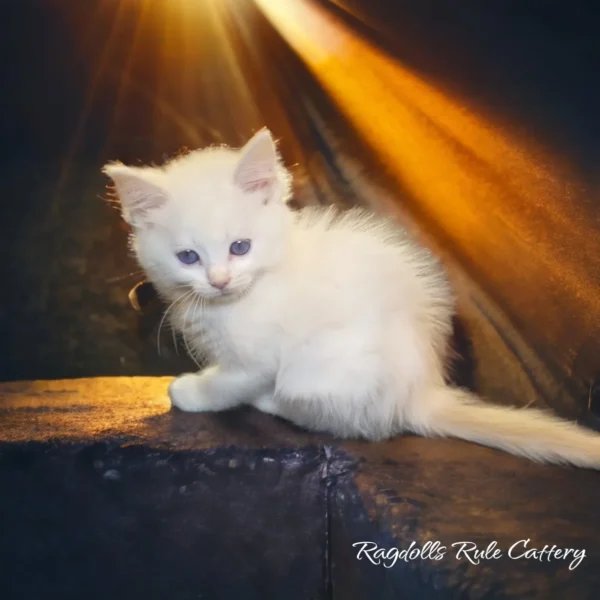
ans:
(499, 199)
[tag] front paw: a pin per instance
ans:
(187, 395)
(266, 403)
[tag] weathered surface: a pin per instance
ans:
(111, 522)
(92, 473)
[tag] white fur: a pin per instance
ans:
(334, 321)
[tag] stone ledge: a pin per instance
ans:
(404, 490)
(133, 408)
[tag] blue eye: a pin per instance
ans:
(240, 247)
(188, 257)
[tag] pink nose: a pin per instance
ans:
(220, 283)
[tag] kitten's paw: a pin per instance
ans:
(186, 393)
(266, 403)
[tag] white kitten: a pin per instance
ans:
(334, 321)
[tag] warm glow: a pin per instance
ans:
(209, 70)
(491, 193)
(179, 39)
(80, 408)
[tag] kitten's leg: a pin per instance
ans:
(331, 385)
(213, 389)
(266, 403)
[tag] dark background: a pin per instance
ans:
(81, 86)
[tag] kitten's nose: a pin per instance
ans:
(220, 281)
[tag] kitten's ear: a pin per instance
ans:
(257, 167)
(140, 196)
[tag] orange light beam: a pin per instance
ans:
(497, 198)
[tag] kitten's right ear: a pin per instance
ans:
(139, 195)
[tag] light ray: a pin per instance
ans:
(498, 198)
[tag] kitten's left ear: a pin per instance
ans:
(257, 168)
(139, 193)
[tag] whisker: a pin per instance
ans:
(199, 305)
(122, 277)
(185, 341)
(181, 298)
(174, 338)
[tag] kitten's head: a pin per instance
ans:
(212, 221)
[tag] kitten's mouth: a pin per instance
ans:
(224, 294)
(234, 292)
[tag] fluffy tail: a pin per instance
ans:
(534, 434)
